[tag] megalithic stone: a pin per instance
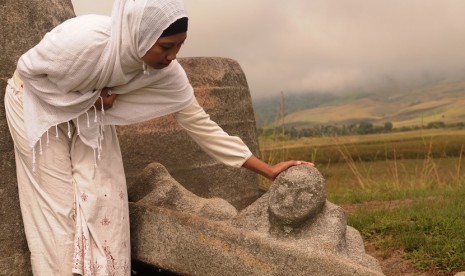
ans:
(23, 23)
(221, 88)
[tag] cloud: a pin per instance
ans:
(329, 45)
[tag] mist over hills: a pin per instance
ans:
(433, 102)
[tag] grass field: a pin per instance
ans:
(402, 191)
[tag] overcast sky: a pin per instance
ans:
(326, 45)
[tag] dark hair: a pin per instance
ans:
(178, 26)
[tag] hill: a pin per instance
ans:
(443, 102)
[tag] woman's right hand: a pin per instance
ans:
(107, 97)
(271, 171)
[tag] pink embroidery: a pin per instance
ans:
(80, 249)
(96, 267)
(111, 264)
(126, 268)
(84, 197)
(110, 267)
(105, 221)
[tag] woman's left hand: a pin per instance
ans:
(107, 97)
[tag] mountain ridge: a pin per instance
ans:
(442, 101)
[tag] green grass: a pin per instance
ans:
(431, 233)
(392, 179)
(408, 189)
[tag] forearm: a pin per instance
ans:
(271, 171)
(256, 165)
(227, 149)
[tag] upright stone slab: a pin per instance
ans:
(23, 23)
(221, 89)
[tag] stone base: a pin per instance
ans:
(192, 245)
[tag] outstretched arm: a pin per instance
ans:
(229, 150)
(271, 171)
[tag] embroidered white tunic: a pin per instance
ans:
(74, 206)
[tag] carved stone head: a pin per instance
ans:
(297, 195)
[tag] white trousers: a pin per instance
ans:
(75, 214)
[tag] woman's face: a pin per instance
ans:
(164, 51)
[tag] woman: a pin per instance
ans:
(87, 75)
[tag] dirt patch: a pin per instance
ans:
(393, 264)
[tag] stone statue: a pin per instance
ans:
(292, 220)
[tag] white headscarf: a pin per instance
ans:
(64, 73)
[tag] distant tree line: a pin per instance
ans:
(361, 128)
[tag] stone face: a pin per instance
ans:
(326, 231)
(173, 234)
(23, 25)
(221, 89)
(297, 194)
